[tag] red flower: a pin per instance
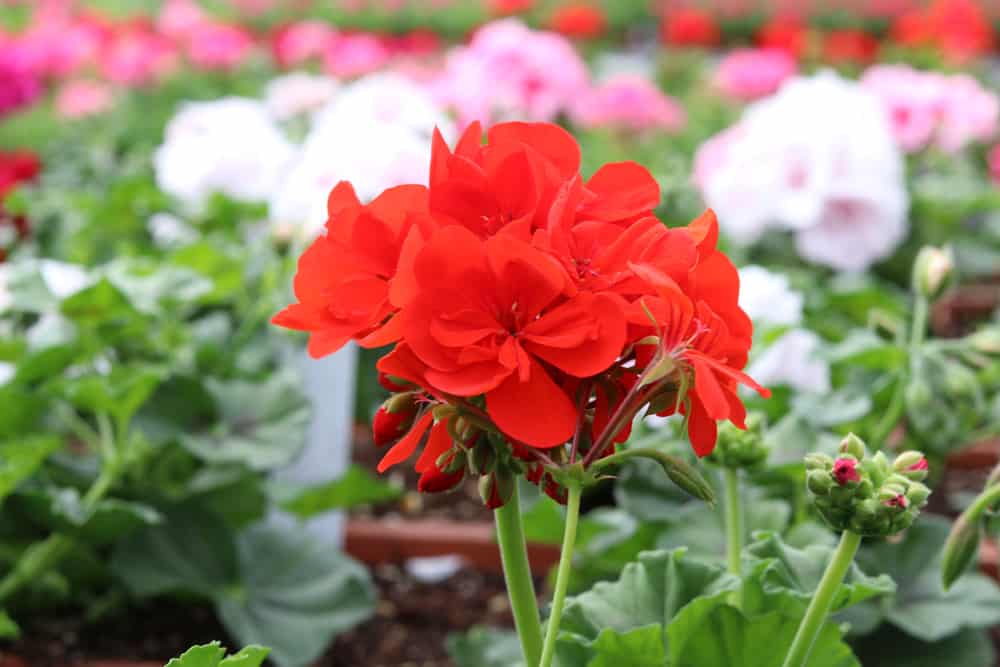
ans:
(521, 300)
(960, 29)
(346, 279)
(786, 33)
(508, 7)
(690, 27)
(491, 319)
(579, 20)
(849, 46)
(846, 470)
(16, 167)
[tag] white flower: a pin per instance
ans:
(63, 279)
(376, 134)
(792, 360)
(767, 297)
(7, 372)
(6, 300)
(231, 146)
(298, 93)
(818, 158)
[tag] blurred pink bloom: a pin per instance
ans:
(349, 55)
(749, 74)
(218, 45)
(298, 42)
(178, 18)
(18, 86)
(993, 159)
(631, 101)
(137, 57)
(509, 71)
(926, 107)
(56, 48)
(83, 98)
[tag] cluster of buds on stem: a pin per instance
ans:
(741, 449)
(868, 495)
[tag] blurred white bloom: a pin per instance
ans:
(610, 64)
(169, 230)
(818, 158)
(231, 146)
(767, 297)
(7, 371)
(61, 278)
(791, 359)
(298, 93)
(376, 133)
(5, 297)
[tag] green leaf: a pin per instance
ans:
(840, 407)
(20, 411)
(120, 393)
(262, 424)
(20, 458)
(8, 628)
(652, 591)
(45, 363)
(921, 607)
(727, 637)
(864, 348)
(276, 587)
(211, 655)
(782, 571)
(296, 594)
(108, 520)
(356, 487)
(100, 302)
(641, 647)
(485, 647)
(893, 648)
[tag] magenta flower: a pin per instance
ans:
(218, 46)
(846, 470)
(350, 55)
(300, 42)
(18, 87)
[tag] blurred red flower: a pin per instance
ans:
(960, 29)
(16, 167)
(849, 46)
(787, 33)
(579, 20)
(690, 27)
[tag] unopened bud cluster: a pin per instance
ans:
(870, 496)
(741, 449)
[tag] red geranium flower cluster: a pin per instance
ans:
(16, 167)
(960, 29)
(533, 312)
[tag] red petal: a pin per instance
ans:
(605, 335)
(536, 412)
(404, 449)
(550, 140)
(704, 230)
(702, 429)
(437, 444)
(624, 190)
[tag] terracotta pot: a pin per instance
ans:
(979, 456)
(375, 541)
(952, 315)
(989, 557)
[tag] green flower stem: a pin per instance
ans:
(562, 574)
(517, 574)
(985, 500)
(734, 522)
(44, 555)
(819, 607)
(921, 311)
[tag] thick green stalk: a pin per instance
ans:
(819, 607)
(734, 521)
(517, 574)
(562, 574)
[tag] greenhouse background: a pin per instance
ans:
(177, 467)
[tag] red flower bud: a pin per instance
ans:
(898, 501)
(437, 481)
(919, 465)
(846, 470)
(387, 427)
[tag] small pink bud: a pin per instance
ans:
(846, 470)
(897, 501)
(919, 465)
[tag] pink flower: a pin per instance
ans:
(969, 113)
(748, 74)
(178, 18)
(630, 101)
(83, 98)
(510, 71)
(993, 160)
(299, 42)
(846, 470)
(137, 56)
(18, 87)
(898, 500)
(919, 465)
(218, 46)
(349, 55)
(928, 107)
